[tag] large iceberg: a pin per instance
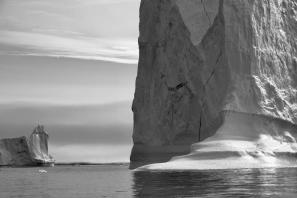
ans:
(23, 151)
(216, 84)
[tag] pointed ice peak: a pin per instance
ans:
(39, 130)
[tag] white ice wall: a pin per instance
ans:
(203, 60)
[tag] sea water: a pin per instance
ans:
(119, 181)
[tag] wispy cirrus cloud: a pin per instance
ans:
(86, 29)
(96, 2)
(40, 44)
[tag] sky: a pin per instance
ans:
(70, 65)
(90, 29)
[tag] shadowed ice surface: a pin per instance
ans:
(118, 181)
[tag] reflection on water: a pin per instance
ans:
(117, 181)
(217, 183)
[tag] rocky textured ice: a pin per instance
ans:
(38, 144)
(243, 141)
(25, 151)
(220, 75)
(15, 151)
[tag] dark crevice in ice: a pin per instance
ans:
(178, 86)
(200, 125)
(206, 13)
(214, 70)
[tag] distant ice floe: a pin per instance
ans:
(42, 171)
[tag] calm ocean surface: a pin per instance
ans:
(118, 181)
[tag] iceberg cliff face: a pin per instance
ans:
(15, 151)
(39, 145)
(26, 152)
(218, 71)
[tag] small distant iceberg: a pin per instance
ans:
(42, 171)
(23, 151)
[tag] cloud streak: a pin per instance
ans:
(64, 80)
(114, 50)
(86, 29)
